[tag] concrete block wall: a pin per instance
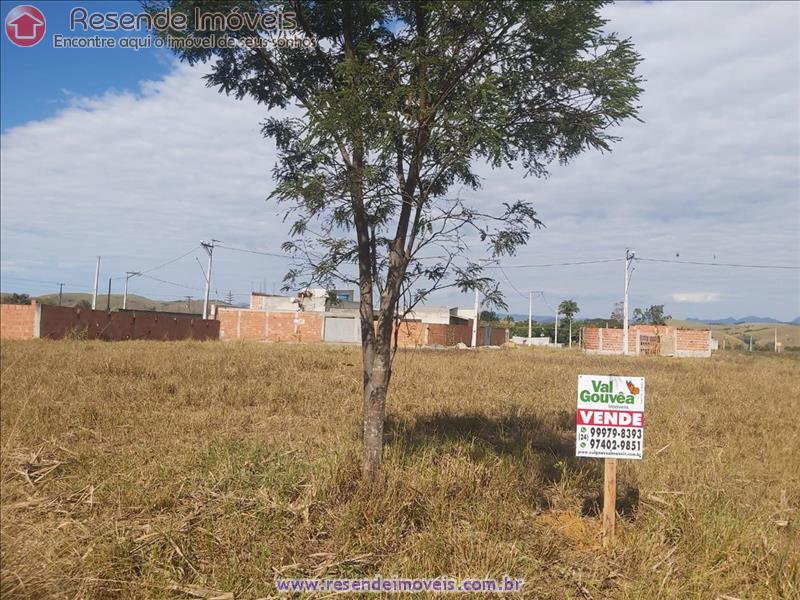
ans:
(17, 321)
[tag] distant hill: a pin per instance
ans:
(737, 335)
(135, 302)
(537, 318)
(739, 321)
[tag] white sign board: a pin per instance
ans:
(610, 417)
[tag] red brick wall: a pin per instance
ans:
(499, 336)
(413, 333)
(697, 340)
(59, 321)
(17, 321)
(257, 325)
(449, 335)
(611, 340)
(277, 326)
(687, 340)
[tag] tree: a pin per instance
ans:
(617, 315)
(392, 107)
(489, 316)
(569, 308)
(651, 316)
(15, 298)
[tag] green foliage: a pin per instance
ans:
(489, 316)
(16, 298)
(397, 103)
(568, 308)
(651, 316)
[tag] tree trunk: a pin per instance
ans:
(570, 333)
(374, 412)
(376, 385)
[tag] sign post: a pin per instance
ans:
(610, 425)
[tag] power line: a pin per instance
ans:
(561, 264)
(176, 284)
(169, 262)
(509, 281)
(715, 264)
(274, 254)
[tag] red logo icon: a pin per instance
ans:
(25, 25)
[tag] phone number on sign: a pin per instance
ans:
(632, 445)
(615, 432)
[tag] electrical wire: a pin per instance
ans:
(169, 262)
(176, 284)
(561, 264)
(274, 254)
(513, 287)
(714, 264)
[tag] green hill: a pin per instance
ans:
(135, 302)
(737, 337)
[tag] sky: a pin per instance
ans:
(128, 155)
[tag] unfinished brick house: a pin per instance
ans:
(316, 317)
(656, 340)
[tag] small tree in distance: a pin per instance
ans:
(651, 316)
(16, 298)
(569, 308)
(617, 314)
(396, 103)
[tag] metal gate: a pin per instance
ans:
(341, 329)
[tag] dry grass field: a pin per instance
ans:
(137, 469)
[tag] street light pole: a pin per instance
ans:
(209, 248)
(96, 281)
(628, 258)
(530, 316)
(128, 275)
(475, 320)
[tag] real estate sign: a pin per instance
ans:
(610, 417)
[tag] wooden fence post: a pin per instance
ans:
(609, 501)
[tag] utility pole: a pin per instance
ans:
(555, 335)
(108, 297)
(628, 258)
(530, 316)
(96, 281)
(128, 275)
(475, 320)
(751, 343)
(209, 248)
(775, 345)
(570, 332)
(61, 290)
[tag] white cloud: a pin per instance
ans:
(696, 297)
(711, 174)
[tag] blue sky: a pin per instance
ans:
(38, 81)
(128, 155)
